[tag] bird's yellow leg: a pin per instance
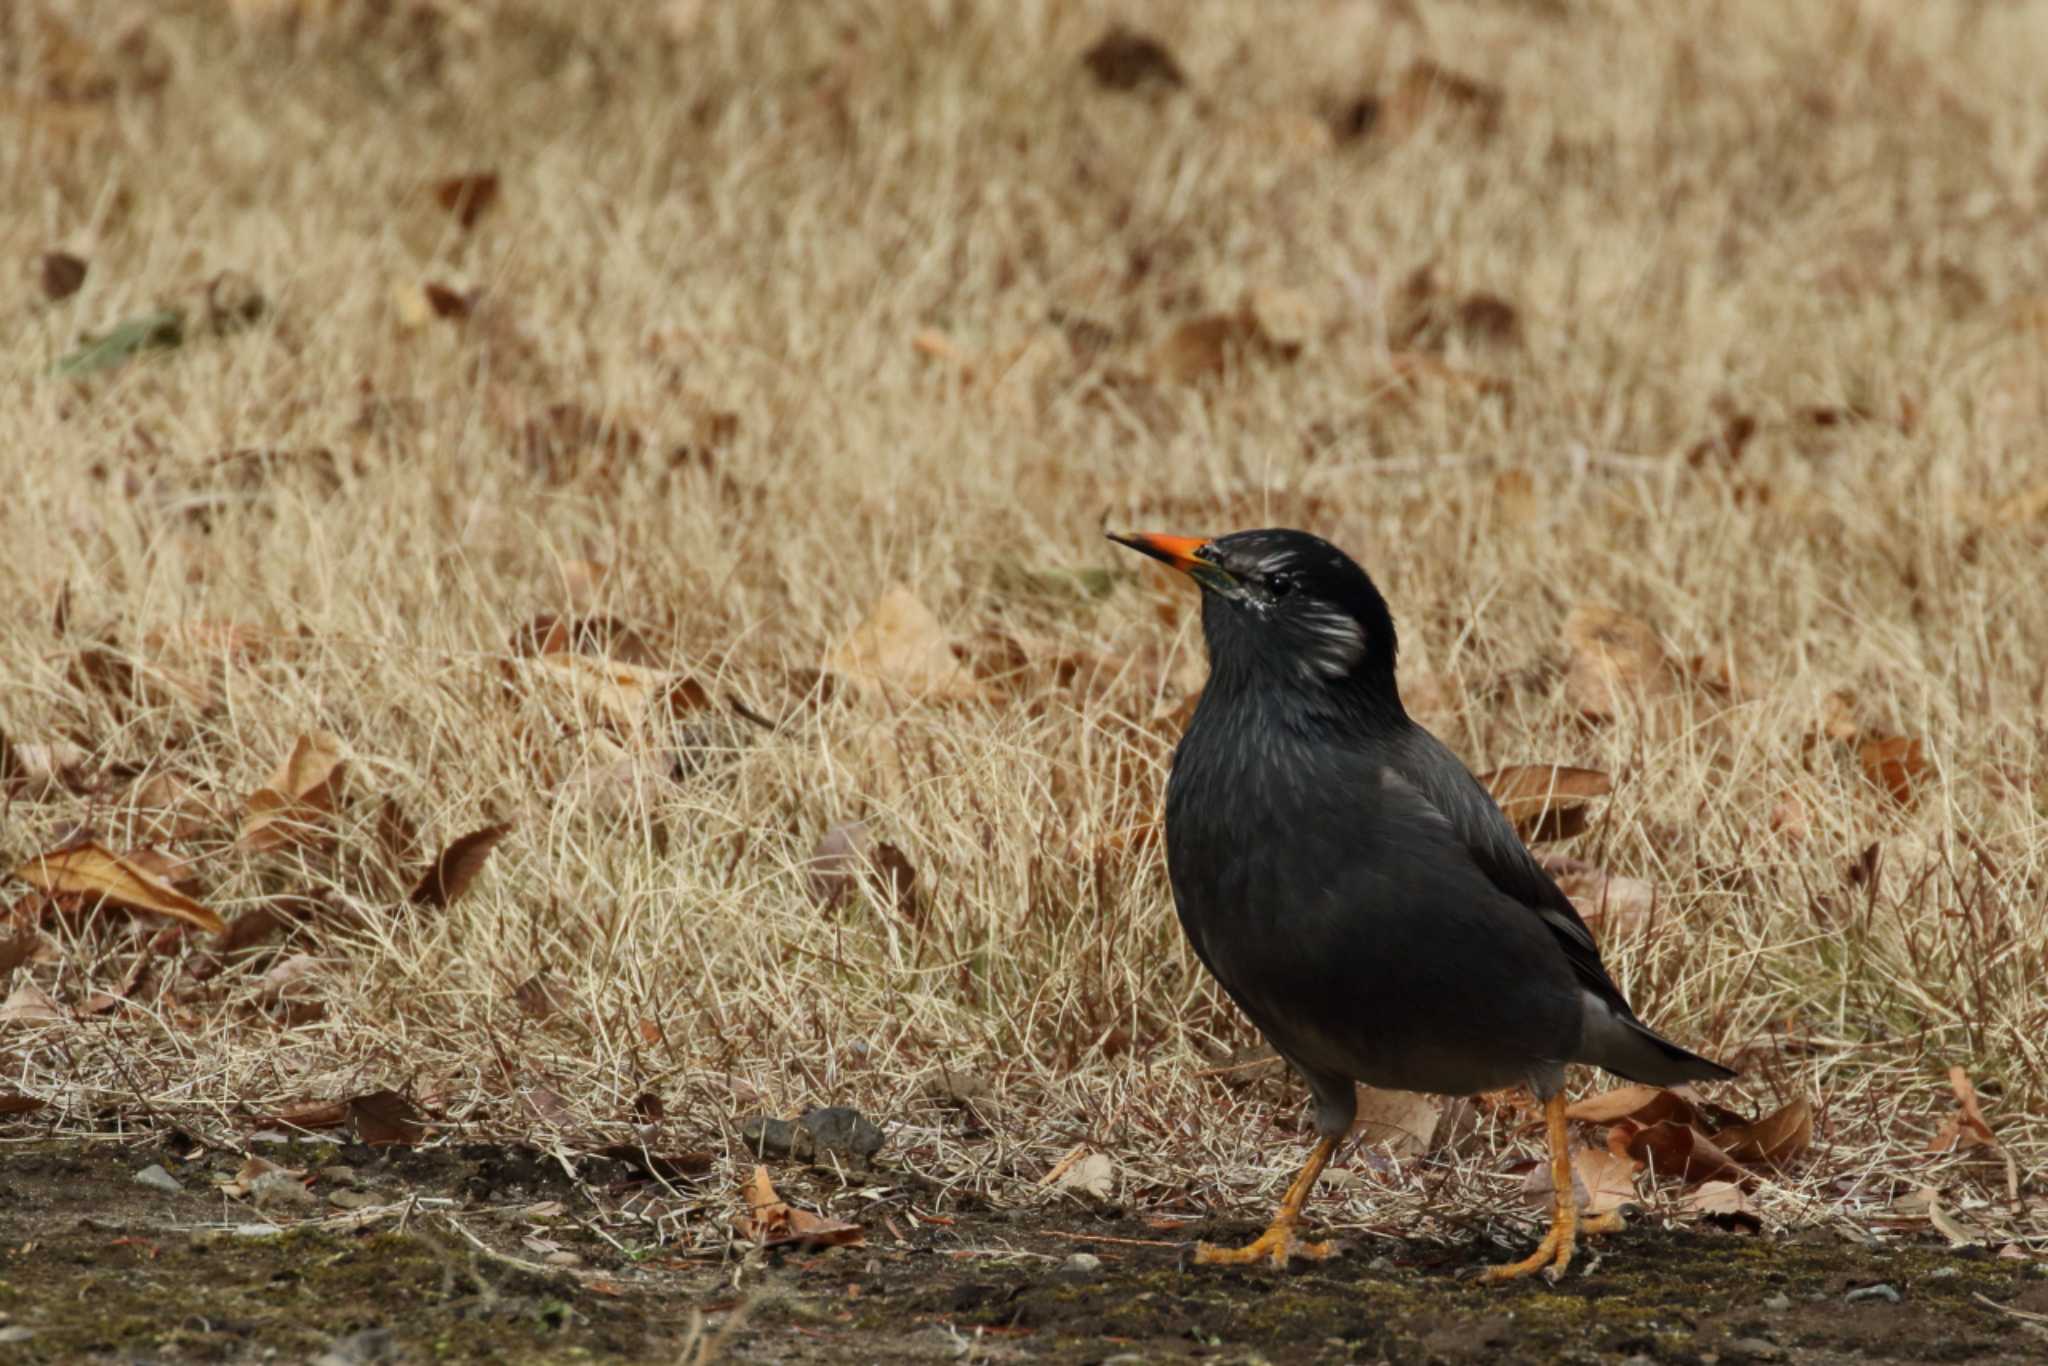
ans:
(1278, 1243)
(1554, 1253)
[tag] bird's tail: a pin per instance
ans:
(1629, 1048)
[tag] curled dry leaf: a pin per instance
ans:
(30, 1004)
(15, 1103)
(901, 650)
(623, 696)
(1616, 662)
(848, 851)
(457, 867)
(1403, 1122)
(770, 1221)
(1672, 1150)
(467, 197)
(299, 798)
(1726, 1204)
(1967, 1127)
(1897, 764)
(1772, 1141)
(1546, 801)
(386, 1118)
(1091, 1174)
(312, 1114)
(98, 876)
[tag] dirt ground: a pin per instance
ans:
(441, 1254)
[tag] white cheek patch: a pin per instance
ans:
(1335, 644)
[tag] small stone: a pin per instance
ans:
(348, 1199)
(156, 1178)
(337, 1174)
(1887, 1293)
(16, 1333)
(563, 1258)
(1778, 1304)
(1942, 1273)
(1081, 1264)
(1753, 1349)
(275, 1190)
(842, 1129)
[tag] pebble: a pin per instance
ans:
(273, 1190)
(1778, 1303)
(1874, 1292)
(1081, 1264)
(1753, 1349)
(1942, 1273)
(156, 1178)
(347, 1199)
(563, 1258)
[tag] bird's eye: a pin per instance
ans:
(1280, 585)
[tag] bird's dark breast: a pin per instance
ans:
(1353, 957)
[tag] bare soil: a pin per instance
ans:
(97, 1267)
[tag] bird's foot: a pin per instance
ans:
(1554, 1253)
(1277, 1244)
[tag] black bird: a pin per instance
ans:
(1355, 889)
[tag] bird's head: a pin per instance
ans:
(1285, 607)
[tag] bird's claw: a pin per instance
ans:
(1553, 1256)
(1277, 1245)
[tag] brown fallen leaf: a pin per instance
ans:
(253, 1169)
(98, 876)
(1205, 347)
(901, 650)
(848, 852)
(312, 1114)
(1726, 1204)
(387, 1118)
(1546, 801)
(30, 1004)
(1674, 1151)
(1602, 1181)
(1967, 1127)
(1772, 1141)
(457, 867)
(670, 1167)
(467, 196)
(1644, 1104)
(770, 1221)
(539, 996)
(1428, 94)
(1125, 59)
(1617, 662)
(1896, 764)
(299, 798)
(61, 275)
(15, 1103)
(1403, 1122)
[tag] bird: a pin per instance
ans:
(1357, 892)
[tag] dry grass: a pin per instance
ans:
(714, 249)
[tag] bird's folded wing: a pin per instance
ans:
(1439, 783)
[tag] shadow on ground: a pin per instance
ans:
(443, 1257)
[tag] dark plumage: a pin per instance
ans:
(1350, 883)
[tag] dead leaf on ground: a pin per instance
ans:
(849, 851)
(1772, 1141)
(1403, 1122)
(253, 1169)
(312, 1114)
(1428, 94)
(1205, 347)
(1602, 1181)
(1546, 801)
(457, 867)
(770, 1221)
(467, 197)
(61, 275)
(15, 1103)
(1412, 374)
(1896, 764)
(1967, 1127)
(33, 771)
(1644, 1104)
(387, 1118)
(1674, 1151)
(99, 876)
(299, 798)
(125, 679)
(1085, 1173)
(1617, 662)
(1725, 1204)
(901, 650)
(30, 1004)
(1125, 59)
(539, 996)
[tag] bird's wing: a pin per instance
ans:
(1431, 775)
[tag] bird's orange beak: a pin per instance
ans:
(1178, 551)
(1181, 553)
